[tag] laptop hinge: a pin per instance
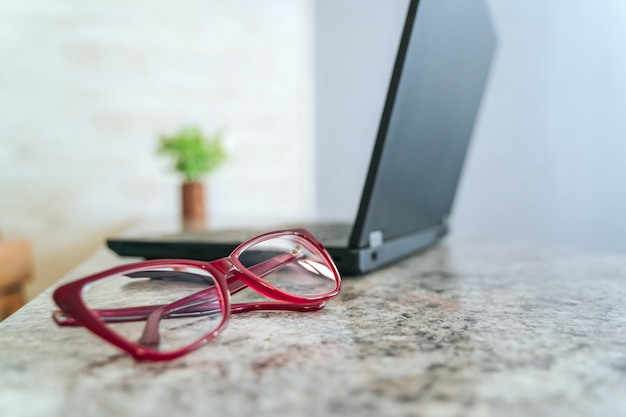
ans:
(376, 238)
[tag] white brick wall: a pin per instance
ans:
(86, 87)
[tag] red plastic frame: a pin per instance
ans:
(230, 277)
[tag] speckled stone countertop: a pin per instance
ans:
(466, 329)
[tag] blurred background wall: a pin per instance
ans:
(87, 87)
(548, 158)
(297, 86)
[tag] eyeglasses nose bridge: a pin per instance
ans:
(224, 266)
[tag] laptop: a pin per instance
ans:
(441, 68)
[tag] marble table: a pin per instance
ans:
(465, 329)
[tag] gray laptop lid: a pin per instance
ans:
(434, 95)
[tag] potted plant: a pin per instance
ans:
(195, 155)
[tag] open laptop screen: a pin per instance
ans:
(434, 96)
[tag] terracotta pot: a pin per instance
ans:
(193, 206)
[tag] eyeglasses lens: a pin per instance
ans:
(164, 309)
(291, 264)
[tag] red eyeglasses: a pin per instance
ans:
(163, 309)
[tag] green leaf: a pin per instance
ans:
(193, 153)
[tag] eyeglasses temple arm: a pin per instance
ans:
(235, 284)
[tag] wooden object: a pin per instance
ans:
(16, 267)
(194, 215)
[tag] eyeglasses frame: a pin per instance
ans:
(230, 276)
